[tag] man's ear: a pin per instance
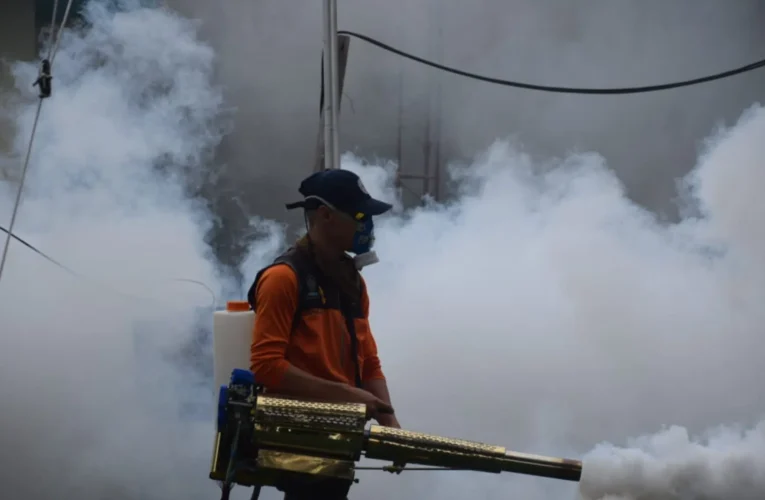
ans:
(324, 213)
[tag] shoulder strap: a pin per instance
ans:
(290, 258)
(349, 322)
(349, 316)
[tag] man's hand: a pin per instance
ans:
(379, 388)
(376, 407)
(388, 420)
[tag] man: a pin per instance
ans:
(312, 338)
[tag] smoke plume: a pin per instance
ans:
(548, 312)
(91, 386)
(541, 308)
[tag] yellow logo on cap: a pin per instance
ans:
(359, 216)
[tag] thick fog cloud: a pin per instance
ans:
(540, 309)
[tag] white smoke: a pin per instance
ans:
(724, 462)
(545, 311)
(541, 310)
(670, 465)
(91, 392)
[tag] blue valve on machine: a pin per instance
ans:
(239, 388)
(242, 377)
(241, 384)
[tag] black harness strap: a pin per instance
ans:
(295, 263)
(350, 324)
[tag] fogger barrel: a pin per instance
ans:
(263, 440)
(397, 445)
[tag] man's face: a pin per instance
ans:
(338, 227)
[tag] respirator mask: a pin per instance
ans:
(363, 241)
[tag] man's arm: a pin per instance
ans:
(276, 303)
(373, 378)
(276, 299)
(378, 387)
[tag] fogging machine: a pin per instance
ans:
(269, 441)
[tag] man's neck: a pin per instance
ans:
(324, 250)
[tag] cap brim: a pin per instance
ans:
(374, 207)
(294, 205)
(308, 203)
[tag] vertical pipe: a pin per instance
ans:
(327, 111)
(331, 143)
(426, 150)
(437, 132)
(400, 127)
(343, 46)
(400, 112)
(335, 133)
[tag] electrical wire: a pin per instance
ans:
(74, 273)
(561, 90)
(38, 252)
(53, 49)
(44, 82)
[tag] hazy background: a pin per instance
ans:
(268, 60)
(541, 309)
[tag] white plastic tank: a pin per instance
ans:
(232, 337)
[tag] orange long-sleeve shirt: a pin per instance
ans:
(320, 345)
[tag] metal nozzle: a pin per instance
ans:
(402, 446)
(537, 465)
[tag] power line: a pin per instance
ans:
(38, 252)
(110, 288)
(44, 82)
(560, 90)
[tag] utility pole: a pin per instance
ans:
(331, 143)
(343, 45)
(331, 86)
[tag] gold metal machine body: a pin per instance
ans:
(268, 441)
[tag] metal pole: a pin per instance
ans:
(343, 46)
(335, 86)
(400, 131)
(437, 125)
(331, 142)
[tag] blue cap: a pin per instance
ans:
(340, 189)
